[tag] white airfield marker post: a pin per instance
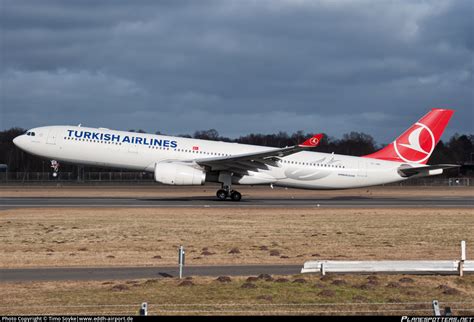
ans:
(463, 258)
(181, 259)
(144, 309)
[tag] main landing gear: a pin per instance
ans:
(226, 191)
(223, 194)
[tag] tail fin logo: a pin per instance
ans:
(314, 141)
(415, 145)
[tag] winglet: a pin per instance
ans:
(312, 142)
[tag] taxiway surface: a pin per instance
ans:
(119, 273)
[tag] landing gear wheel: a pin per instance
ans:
(235, 196)
(221, 194)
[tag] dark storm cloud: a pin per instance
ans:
(237, 66)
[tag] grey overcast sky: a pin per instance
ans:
(241, 66)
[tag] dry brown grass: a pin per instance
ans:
(131, 237)
(209, 191)
(208, 296)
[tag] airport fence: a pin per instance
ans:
(147, 178)
(342, 308)
(74, 177)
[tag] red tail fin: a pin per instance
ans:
(418, 142)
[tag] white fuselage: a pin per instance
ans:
(137, 151)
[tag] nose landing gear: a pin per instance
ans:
(55, 166)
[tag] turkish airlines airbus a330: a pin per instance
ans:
(184, 161)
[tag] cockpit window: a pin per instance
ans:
(30, 133)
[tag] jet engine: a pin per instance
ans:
(179, 174)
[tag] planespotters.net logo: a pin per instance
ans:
(415, 145)
(437, 319)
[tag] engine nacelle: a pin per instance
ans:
(179, 174)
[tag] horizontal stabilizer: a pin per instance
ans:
(430, 170)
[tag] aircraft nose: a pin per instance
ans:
(17, 141)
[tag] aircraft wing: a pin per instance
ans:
(241, 163)
(424, 171)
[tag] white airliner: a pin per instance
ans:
(184, 161)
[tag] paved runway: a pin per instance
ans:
(111, 273)
(332, 202)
